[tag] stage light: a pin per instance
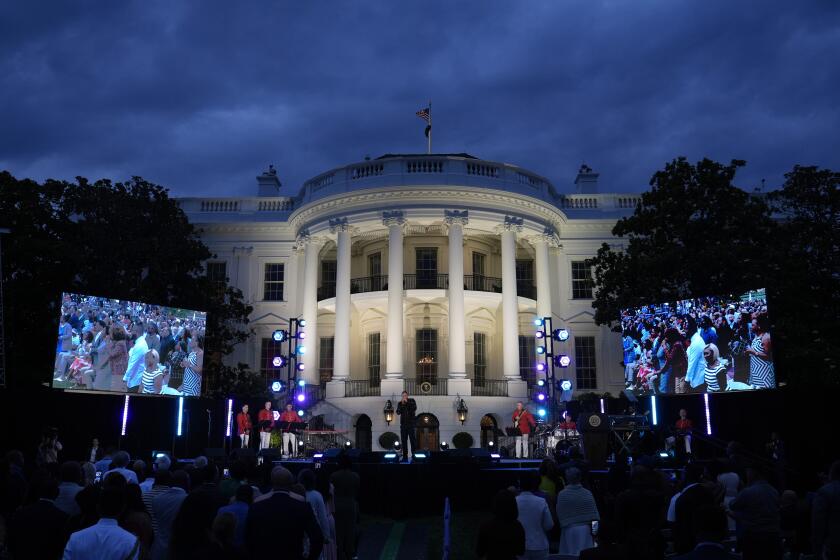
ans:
(276, 386)
(653, 410)
(229, 417)
(566, 385)
(708, 417)
(538, 322)
(563, 360)
(540, 349)
(300, 443)
(540, 397)
(347, 444)
(540, 334)
(275, 414)
(278, 361)
(300, 413)
(125, 415)
(391, 458)
(301, 367)
(301, 335)
(495, 457)
(279, 335)
(541, 412)
(562, 335)
(301, 397)
(318, 456)
(301, 322)
(540, 382)
(490, 444)
(602, 406)
(180, 414)
(444, 446)
(301, 349)
(301, 383)
(419, 457)
(540, 367)
(397, 444)
(663, 455)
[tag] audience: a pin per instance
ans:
(37, 530)
(119, 464)
(576, 510)
(710, 530)
(756, 513)
(71, 476)
(346, 484)
(693, 496)
(502, 537)
(535, 518)
(826, 517)
(164, 502)
(239, 508)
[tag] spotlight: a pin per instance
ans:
(444, 446)
(301, 322)
(301, 349)
(300, 443)
(301, 335)
(317, 456)
(541, 412)
(540, 334)
(397, 444)
(540, 366)
(420, 457)
(347, 444)
(490, 444)
(300, 367)
(562, 335)
(276, 387)
(495, 457)
(278, 361)
(566, 385)
(301, 383)
(563, 360)
(538, 322)
(275, 414)
(279, 335)
(540, 397)
(301, 397)
(300, 413)
(391, 458)
(540, 349)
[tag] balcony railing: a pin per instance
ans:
(425, 281)
(361, 388)
(481, 283)
(369, 284)
(490, 388)
(475, 282)
(436, 387)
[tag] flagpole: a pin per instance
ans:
(429, 149)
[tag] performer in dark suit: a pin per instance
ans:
(276, 524)
(407, 411)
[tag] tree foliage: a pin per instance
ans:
(126, 240)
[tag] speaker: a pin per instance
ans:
(332, 453)
(214, 452)
(271, 454)
(244, 453)
(372, 457)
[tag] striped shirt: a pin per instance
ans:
(762, 372)
(192, 380)
(148, 380)
(714, 376)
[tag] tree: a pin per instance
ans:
(693, 234)
(807, 279)
(127, 240)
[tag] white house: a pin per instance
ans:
(420, 268)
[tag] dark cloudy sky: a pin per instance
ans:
(200, 96)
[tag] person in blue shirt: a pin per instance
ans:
(239, 508)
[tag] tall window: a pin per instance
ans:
(527, 358)
(374, 354)
(582, 280)
(328, 274)
(525, 278)
(427, 269)
(427, 356)
(268, 350)
(585, 372)
(478, 263)
(479, 359)
(273, 282)
(217, 275)
(375, 271)
(325, 358)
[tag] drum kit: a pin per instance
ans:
(550, 439)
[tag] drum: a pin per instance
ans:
(551, 442)
(559, 434)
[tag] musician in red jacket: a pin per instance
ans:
(289, 415)
(682, 431)
(266, 423)
(243, 424)
(523, 420)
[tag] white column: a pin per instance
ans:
(457, 339)
(394, 353)
(341, 357)
(510, 306)
(312, 249)
(541, 243)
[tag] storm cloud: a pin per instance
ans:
(202, 96)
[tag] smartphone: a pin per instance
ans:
(226, 473)
(98, 477)
(594, 528)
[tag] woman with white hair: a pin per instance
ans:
(715, 372)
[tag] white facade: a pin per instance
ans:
(479, 250)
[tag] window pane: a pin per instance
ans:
(374, 353)
(325, 358)
(273, 282)
(478, 264)
(582, 280)
(585, 370)
(527, 358)
(375, 264)
(479, 358)
(427, 356)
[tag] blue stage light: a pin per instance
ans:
(538, 322)
(540, 397)
(541, 412)
(300, 413)
(563, 360)
(566, 385)
(540, 366)
(301, 367)
(279, 335)
(301, 335)
(301, 349)
(540, 382)
(562, 335)
(301, 322)
(301, 383)
(276, 386)
(301, 397)
(539, 334)
(540, 349)
(278, 361)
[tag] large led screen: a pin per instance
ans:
(700, 345)
(129, 347)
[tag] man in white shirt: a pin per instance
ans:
(106, 540)
(534, 517)
(119, 464)
(136, 361)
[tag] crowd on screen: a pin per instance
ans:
(116, 345)
(698, 345)
(107, 506)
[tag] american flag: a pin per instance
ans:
(424, 114)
